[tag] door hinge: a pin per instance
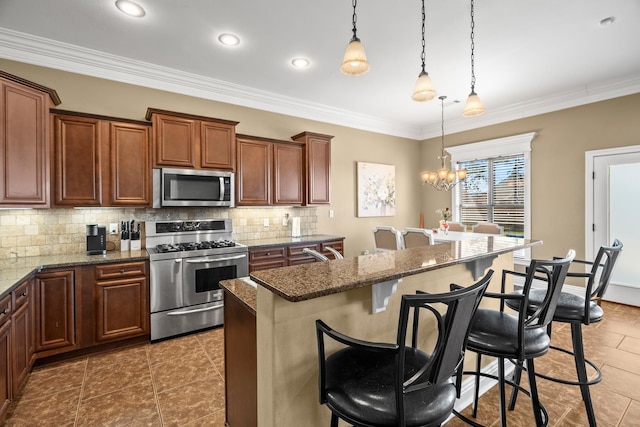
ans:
(593, 227)
(593, 175)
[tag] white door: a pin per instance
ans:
(615, 208)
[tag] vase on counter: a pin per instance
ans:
(444, 226)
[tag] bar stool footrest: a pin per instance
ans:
(543, 410)
(572, 382)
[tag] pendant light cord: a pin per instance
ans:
(442, 155)
(473, 74)
(423, 56)
(355, 19)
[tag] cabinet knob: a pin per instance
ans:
(24, 294)
(3, 311)
(268, 253)
(121, 270)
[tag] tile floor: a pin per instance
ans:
(180, 382)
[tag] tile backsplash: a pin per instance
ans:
(35, 232)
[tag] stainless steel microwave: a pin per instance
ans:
(191, 187)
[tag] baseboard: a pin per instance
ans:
(629, 295)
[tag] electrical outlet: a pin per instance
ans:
(330, 213)
(266, 222)
(113, 228)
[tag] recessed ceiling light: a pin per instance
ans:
(130, 8)
(300, 62)
(229, 39)
(607, 21)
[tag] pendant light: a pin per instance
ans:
(443, 178)
(355, 60)
(473, 106)
(424, 90)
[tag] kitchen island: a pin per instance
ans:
(289, 300)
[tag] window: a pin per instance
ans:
(497, 187)
(494, 191)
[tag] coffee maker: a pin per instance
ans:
(96, 239)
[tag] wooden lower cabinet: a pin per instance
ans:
(285, 255)
(5, 355)
(55, 311)
(122, 309)
(22, 333)
(241, 363)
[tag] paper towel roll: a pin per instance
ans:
(295, 226)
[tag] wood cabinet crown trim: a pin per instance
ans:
(98, 117)
(271, 140)
(152, 111)
(51, 92)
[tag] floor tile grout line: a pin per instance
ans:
(84, 379)
(153, 384)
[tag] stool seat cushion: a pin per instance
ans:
(495, 333)
(570, 307)
(360, 386)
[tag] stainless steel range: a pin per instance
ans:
(188, 260)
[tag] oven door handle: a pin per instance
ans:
(204, 260)
(197, 310)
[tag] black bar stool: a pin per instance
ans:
(384, 384)
(518, 337)
(580, 310)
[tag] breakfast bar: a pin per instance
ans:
(288, 301)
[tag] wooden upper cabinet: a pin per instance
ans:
(253, 178)
(174, 141)
(101, 161)
(217, 146)
(24, 142)
(288, 187)
(270, 172)
(77, 146)
(318, 167)
(190, 141)
(130, 183)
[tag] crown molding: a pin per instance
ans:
(49, 53)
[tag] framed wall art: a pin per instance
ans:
(376, 189)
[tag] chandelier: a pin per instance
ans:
(355, 60)
(443, 178)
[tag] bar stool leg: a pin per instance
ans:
(334, 420)
(533, 389)
(474, 410)
(581, 369)
(517, 374)
(503, 411)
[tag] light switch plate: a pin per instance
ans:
(266, 222)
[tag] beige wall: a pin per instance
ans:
(99, 96)
(557, 162)
(557, 156)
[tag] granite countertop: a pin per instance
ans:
(308, 281)
(244, 289)
(15, 270)
(287, 241)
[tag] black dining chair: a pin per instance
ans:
(399, 384)
(578, 310)
(518, 337)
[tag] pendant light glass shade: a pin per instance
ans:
(473, 106)
(424, 90)
(355, 59)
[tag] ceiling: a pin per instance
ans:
(530, 57)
